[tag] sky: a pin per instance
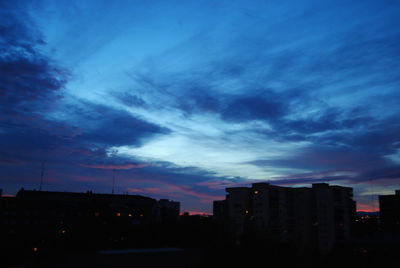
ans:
(181, 99)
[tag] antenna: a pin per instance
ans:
(42, 175)
(113, 182)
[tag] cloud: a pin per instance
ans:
(283, 92)
(175, 190)
(29, 80)
(264, 107)
(40, 123)
(115, 166)
(4, 160)
(108, 126)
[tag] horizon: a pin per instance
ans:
(181, 99)
(191, 213)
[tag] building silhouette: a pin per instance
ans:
(44, 206)
(44, 219)
(389, 206)
(319, 217)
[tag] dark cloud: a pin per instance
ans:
(358, 53)
(328, 126)
(29, 81)
(301, 71)
(41, 138)
(111, 127)
(266, 107)
(16, 28)
(321, 157)
(31, 85)
(130, 100)
(75, 151)
(324, 120)
(199, 99)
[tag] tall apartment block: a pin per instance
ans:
(319, 217)
(389, 206)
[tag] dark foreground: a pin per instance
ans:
(380, 256)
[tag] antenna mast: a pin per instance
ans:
(113, 182)
(42, 175)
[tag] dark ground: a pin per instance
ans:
(224, 257)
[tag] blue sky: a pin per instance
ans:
(185, 98)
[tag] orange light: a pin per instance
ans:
(35, 249)
(62, 231)
(141, 215)
(247, 212)
(118, 214)
(130, 215)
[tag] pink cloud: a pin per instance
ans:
(153, 190)
(82, 178)
(199, 195)
(318, 175)
(385, 181)
(115, 166)
(219, 184)
(366, 207)
(201, 213)
(9, 161)
(173, 190)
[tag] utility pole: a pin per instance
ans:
(113, 182)
(42, 175)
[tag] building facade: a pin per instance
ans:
(389, 206)
(41, 219)
(320, 216)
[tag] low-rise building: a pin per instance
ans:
(85, 220)
(33, 206)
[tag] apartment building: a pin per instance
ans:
(320, 216)
(389, 206)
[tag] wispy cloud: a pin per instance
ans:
(115, 166)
